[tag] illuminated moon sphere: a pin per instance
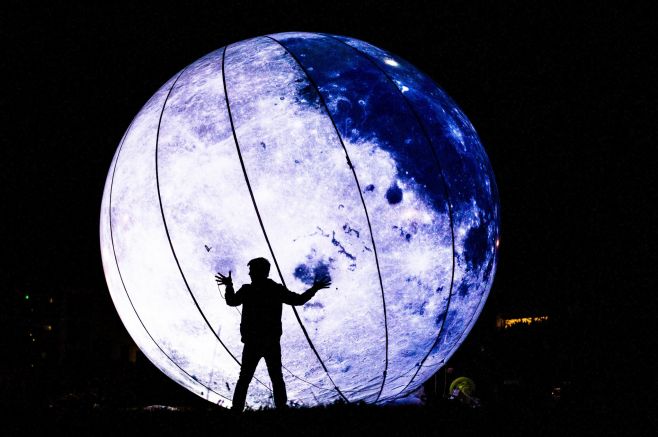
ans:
(325, 155)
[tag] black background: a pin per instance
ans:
(560, 95)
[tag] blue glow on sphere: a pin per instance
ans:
(325, 155)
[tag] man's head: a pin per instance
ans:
(259, 269)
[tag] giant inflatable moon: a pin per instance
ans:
(325, 155)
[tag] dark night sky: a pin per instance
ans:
(556, 95)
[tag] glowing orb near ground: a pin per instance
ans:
(325, 155)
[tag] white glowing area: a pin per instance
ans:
(304, 149)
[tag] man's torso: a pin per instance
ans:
(261, 311)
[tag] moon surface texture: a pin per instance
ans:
(325, 155)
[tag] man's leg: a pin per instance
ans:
(273, 361)
(250, 357)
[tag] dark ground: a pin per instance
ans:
(442, 418)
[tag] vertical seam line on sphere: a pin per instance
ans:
(445, 187)
(116, 261)
(262, 225)
(372, 238)
(164, 222)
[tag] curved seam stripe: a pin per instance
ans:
(260, 220)
(430, 143)
(121, 276)
(356, 179)
(164, 222)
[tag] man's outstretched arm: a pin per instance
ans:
(233, 299)
(292, 298)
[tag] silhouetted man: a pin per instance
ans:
(262, 302)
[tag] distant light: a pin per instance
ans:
(48, 327)
(391, 62)
(497, 242)
(51, 300)
(27, 297)
(507, 323)
(404, 89)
